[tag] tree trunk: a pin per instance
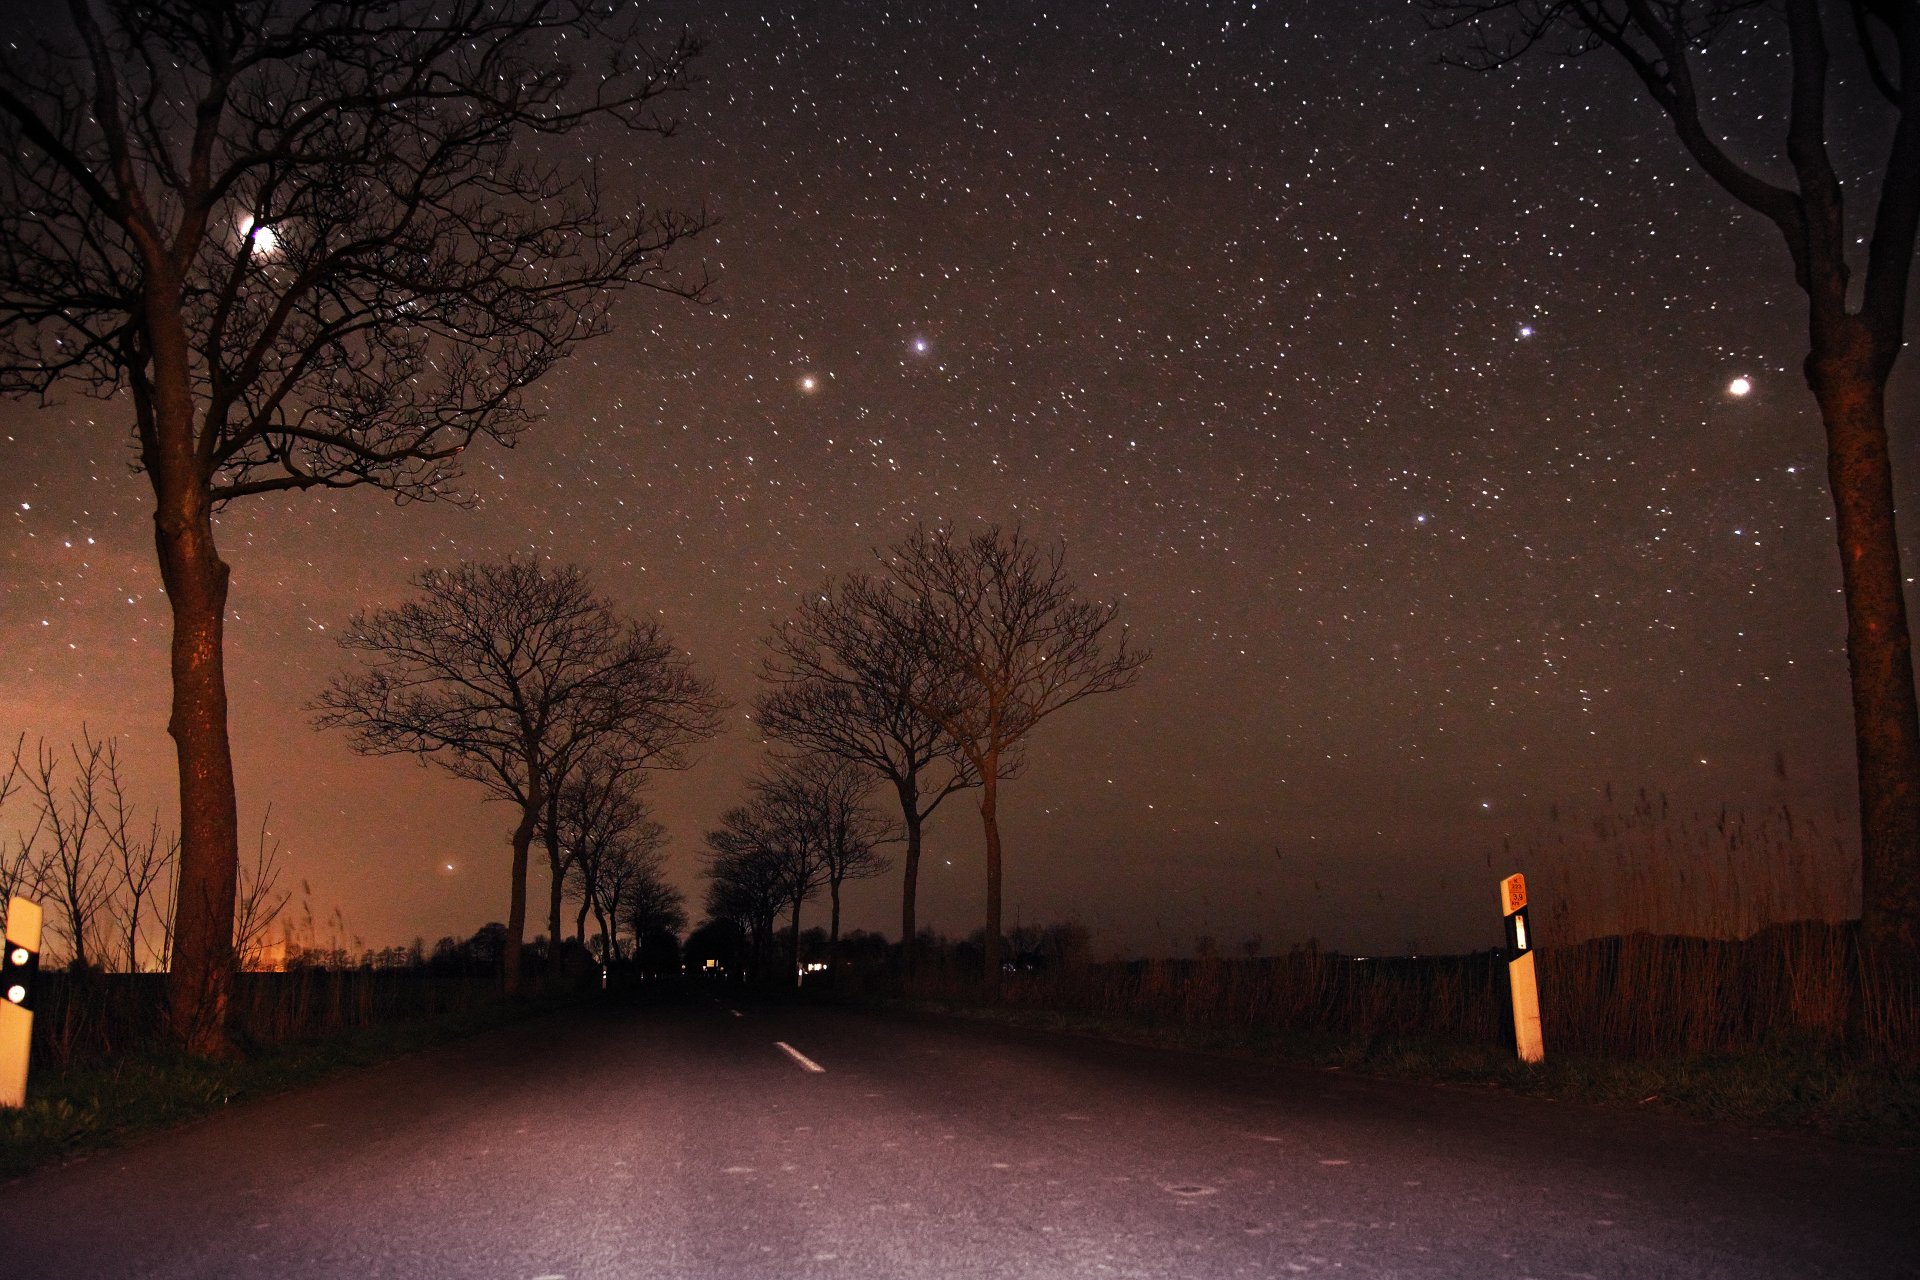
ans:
(910, 880)
(1849, 381)
(580, 922)
(833, 928)
(517, 910)
(200, 982)
(607, 953)
(990, 821)
(552, 826)
(793, 958)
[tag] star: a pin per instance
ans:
(1739, 387)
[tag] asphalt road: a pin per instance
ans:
(683, 1141)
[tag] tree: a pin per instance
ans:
(747, 885)
(1010, 644)
(657, 914)
(319, 247)
(842, 683)
(510, 674)
(1852, 349)
(614, 849)
(73, 869)
(139, 860)
(819, 805)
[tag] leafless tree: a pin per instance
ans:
(140, 859)
(762, 862)
(1853, 344)
(818, 805)
(66, 839)
(613, 846)
(318, 246)
(260, 899)
(841, 682)
(510, 674)
(745, 883)
(19, 869)
(656, 907)
(1011, 644)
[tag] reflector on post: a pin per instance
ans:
(1520, 977)
(19, 969)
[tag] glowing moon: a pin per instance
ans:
(264, 241)
(1739, 387)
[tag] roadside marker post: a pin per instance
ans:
(19, 967)
(1520, 977)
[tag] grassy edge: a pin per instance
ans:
(95, 1106)
(1784, 1086)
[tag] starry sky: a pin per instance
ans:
(1390, 400)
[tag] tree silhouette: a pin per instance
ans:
(511, 675)
(615, 850)
(818, 805)
(1010, 644)
(318, 246)
(1852, 347)
(750, 881)
(842, 682)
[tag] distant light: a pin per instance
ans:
(809, 383)
(921, 346)
(1739, 387)
(1526, 331)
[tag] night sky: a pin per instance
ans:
(1392, 402)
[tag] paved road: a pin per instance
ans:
(683, 1142)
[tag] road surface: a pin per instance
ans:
(703, 1138)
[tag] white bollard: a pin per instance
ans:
(19, 967)
(1520, 979)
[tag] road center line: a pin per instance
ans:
(799, 1057)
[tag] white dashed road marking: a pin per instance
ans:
(798, 1056)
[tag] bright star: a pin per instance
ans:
(1739, 387)
(1526, 331)
(921, 346)
(809, 383)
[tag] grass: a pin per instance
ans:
(1804, 1085)
(99, 1103)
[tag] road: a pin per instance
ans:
(684, 1141)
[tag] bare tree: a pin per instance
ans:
(1011, 644)
(760, 863)
(260, 899)
(139, 859)
(611, 843)
(509, 675)
(319, 246)
(73, 869)
(745, 886)
(842, 682)
(655, 909)
(819, 805)
(19, 868)
(1853, 346)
